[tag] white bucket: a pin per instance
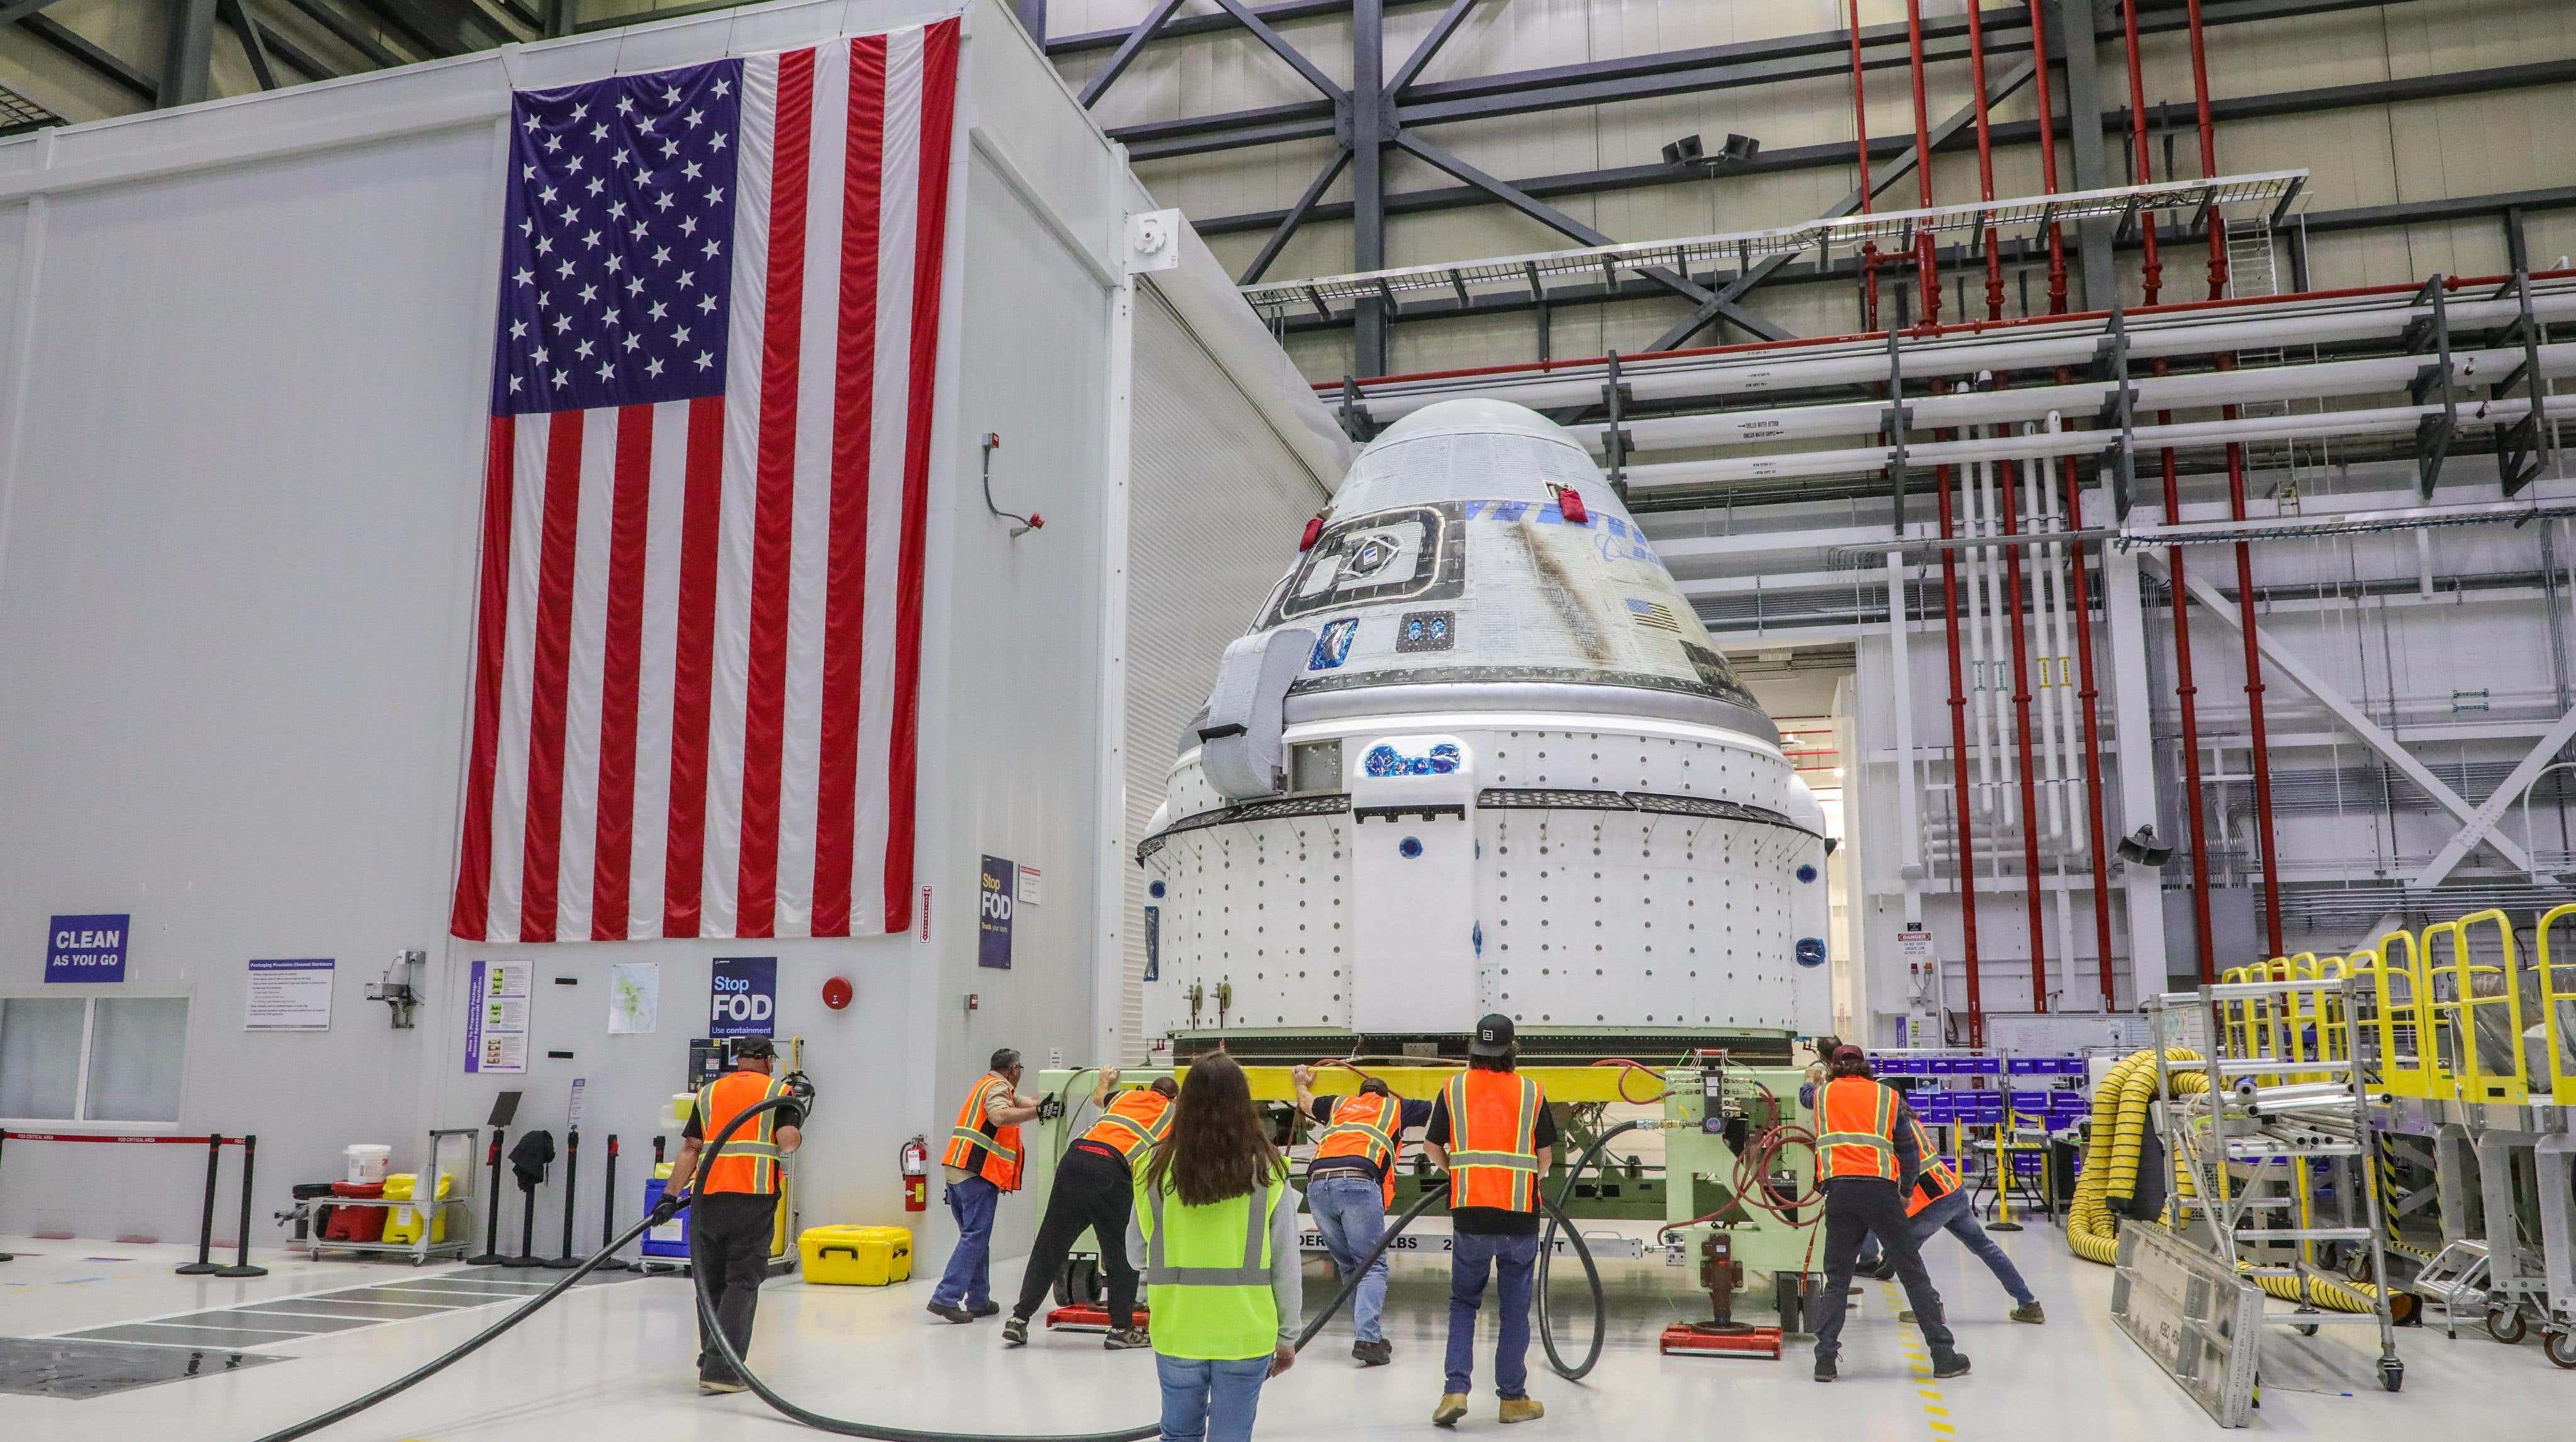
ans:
(368, 1163)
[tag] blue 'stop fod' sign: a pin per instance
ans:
(86, 948)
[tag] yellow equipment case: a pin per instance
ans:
(850, 1256)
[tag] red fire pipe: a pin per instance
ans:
(2154, 269)
(1860, 132)
(1959, 758)
(1927, 259)
(2047, 157)
(2184, 690)
(2092, 735)
(1985, 158)
(2007, 484)
(2259, 737)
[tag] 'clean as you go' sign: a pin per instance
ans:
(86, 948)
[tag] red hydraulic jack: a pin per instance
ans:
(1086, 1317)
(1721, 1335)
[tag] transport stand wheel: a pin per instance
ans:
(2505, 1323)
(1791, 1301)
(2392, 1373)
(2305, 1329)
(2560, 1346)
(1079, 1284)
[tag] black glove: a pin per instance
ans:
(1049, 1108)
(669, 1207)
(801, 1087)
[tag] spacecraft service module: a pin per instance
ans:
(1477, 754)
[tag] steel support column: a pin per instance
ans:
(2132, 703)
(2076, 41)
(1367, 139)
(188, 56)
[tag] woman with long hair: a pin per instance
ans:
(1216, 1222)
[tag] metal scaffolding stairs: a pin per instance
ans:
(2253, 269)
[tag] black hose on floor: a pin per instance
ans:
(1556, 1219)
(842, 1426)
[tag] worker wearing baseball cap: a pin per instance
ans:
(1869, 1155)
(1491, 1129)
(732, 1225)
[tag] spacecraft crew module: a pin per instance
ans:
(1477, 754)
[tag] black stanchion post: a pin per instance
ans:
(241, 1266)
(491, 1211)
(608, 1209)
(572, 1179)
(204, 1266)
(527, 1233)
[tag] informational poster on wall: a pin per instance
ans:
(290, 995)
(87, 948)
(634, 998)
(742, 997)
(994, 895)
(1032, 885)
(496, 1016)
(1914, 944)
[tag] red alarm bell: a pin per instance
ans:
(836, 993)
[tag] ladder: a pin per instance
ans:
(2283, 1117)
(2253, 269)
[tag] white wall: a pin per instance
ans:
(242, 415)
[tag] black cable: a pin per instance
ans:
(1556, 1218)
(842, 1426)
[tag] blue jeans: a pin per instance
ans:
(1350, 1210)
(968, 1282)
(1210, 1401)
(1956, 1215)
(1514, 1261)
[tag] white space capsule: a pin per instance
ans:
(1477, 754)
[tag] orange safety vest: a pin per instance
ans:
(980, 1147)
(1493, 1140)
(749, 1162)
(1366, 1126)
(1132, 1123)
(1856, 1129)
(1937, 1178)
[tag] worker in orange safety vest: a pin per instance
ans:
(1938, 1202)
(1350, 1187)
(1868, 1156)
(1492, 1130)
(983, 1161)
(731, 1225)
(1095, 1187)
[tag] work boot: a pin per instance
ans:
(1906, 1316)
(1373, 1354)
(1015, 1332)
(1127, 1340)
(1826, 1371)
(714, 1385)
(1522, 1409)
(1953, 1365)
(947, 1313)
(2029, 1312)
(987, 1309)
(1453, 1405)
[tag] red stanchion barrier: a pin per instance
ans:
(214, 1145)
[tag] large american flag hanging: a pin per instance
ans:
(698, 648)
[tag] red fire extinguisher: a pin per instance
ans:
(916, 1175)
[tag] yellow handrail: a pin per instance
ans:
(2403, 1040)
(2485, 1005)
(2558, 1013)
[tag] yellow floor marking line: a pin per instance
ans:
(1936, 1408)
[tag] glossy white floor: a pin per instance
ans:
(614, 1363)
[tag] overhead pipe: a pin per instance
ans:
(2097, 827)
(1860, 132)
(2047, 155)
(1927, 257)
(2056, 728)
(1985, 157)
(2153, 273)
(2258, 732)
(2021, 722)
(1979, 622)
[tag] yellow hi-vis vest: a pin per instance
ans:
(1207, 1272)
(749, 1162)
(1855, 1129)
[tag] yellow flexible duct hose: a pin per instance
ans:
(2120, 1115)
